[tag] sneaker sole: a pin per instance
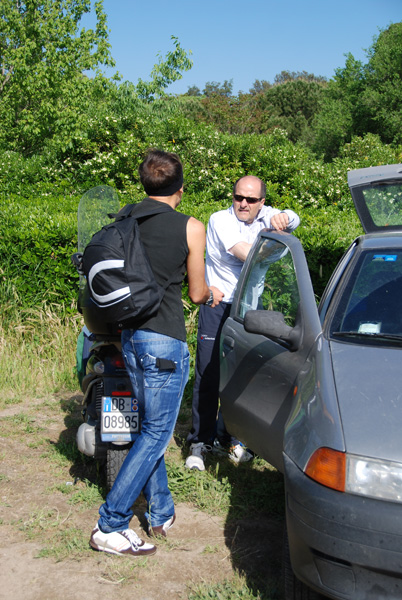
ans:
(237, 460)
(102, 549)
(195, 468)
(111, 551)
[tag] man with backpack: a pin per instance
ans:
(156, 358)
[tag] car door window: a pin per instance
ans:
(270, 282)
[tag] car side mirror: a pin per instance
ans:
(271, 323)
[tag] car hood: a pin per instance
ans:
(368, 382)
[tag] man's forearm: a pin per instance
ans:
(240, 250)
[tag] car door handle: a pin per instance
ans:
(227, 345)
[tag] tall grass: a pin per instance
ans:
(37, 352)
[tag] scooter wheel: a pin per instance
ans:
(114, 459)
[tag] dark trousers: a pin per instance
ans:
(206, 426)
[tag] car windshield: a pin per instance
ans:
(370, 307)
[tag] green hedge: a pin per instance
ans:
(38, 237)
(39, 197)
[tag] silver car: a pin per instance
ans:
(317, 392)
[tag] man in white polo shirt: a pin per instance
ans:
(230, 235)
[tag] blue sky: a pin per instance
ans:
(244, 40)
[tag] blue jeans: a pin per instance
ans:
(158, 366)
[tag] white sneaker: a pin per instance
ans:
(239, 453)
(236, 453)
(195, 459)
(125, 543)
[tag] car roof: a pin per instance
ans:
(388, 239)
(377, 196)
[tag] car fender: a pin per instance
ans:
(315, 420)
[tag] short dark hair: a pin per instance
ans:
(263, 186)
(161, 173)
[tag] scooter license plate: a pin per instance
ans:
(120, 418)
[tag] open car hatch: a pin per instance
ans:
(377, 196)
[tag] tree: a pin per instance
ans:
(213, 88)
(332, 128)
(193, 91)
(340, 114)
(259, 87)
(165, 72)
(383, 91)
(363, 98)
(290, 106)
(286, 76)
(43, 55)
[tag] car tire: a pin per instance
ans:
(114, 459)
(293, 588)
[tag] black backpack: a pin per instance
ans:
(121, 290)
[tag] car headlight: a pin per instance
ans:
(356, 474)
(376, 478)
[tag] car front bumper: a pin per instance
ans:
(343, 545)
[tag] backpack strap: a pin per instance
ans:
(123, 212)
(138, 212)
(134, 210)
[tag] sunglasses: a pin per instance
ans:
(240, 198)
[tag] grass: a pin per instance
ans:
(117, 571)
(82, 494)
(70, 542)
(236, 588)
(20, 423)
(206, 490)
(225, 488)
(87, 495)
(37, 353)
(64, 541)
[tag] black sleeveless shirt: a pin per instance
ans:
(165, 239)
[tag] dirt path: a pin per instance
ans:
(46, 516)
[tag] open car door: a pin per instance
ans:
(265, 341)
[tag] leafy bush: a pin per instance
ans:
(37, 239)
(39, 195)
(325, 234)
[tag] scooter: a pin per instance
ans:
(111, 419)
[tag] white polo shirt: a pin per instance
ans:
(222, 268)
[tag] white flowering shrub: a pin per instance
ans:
(39, 195)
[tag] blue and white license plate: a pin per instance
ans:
(120, 418)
